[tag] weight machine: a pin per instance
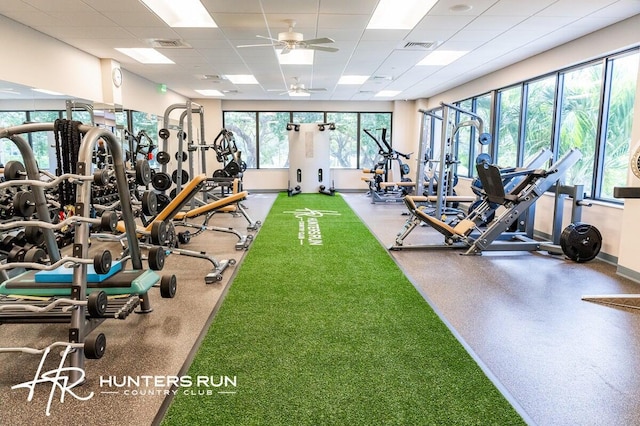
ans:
(436, 175)
(382, 187)
(516, 190)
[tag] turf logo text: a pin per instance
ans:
(309, 226)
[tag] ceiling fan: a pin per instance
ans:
(298, 89)
(291, 40)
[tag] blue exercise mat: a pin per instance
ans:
(64, 274)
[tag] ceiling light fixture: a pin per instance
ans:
(295, 57)
(241, 79)
(209, 92)
(299, 94)
(442, 57)
(390, 16)
(461, 8)
(145, 55)
(182, 14)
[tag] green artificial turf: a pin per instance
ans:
(331, 334)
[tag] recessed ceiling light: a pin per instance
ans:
(182, 14)
(209, 92)
(242, 78)
(389, 15)
(353, 79)
(461, 8)
(145, 55)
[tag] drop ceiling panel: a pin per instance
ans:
(498, 33)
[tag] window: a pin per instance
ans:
(373, 122)
(141, 121)
(8, 150)
(578, 125)
(508, 126)
(538, 120)
(308, 117)
(623, 72)
(265, 140)
(40, 141)
(243, 126)
(273, 141)
(344, 139)
(463, 138)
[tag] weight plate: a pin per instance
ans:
(97, 304)
(184, 156)
(163, 157)
(95, 348)
(233, 169)
(149, 203)
(109, 221)
(101, 177)
(184, 176)
(483, 158)
(143, 172)
(14, 170)
(484, 138)
(173, 193)
(35, 255)
(102, 262)
(161, 181)
(34, 235)
(16, 254)
(164, 133)
(163, 201)
(158, 232)
(24, 204)
(156, 258)
(168, 285)
(219, 173)
(581, 242)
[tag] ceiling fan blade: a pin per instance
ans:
(268, 38)
(322, 48)
(320, 40)
(286, 49)
(256, 45)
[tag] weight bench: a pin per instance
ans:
(229, 204)
(160, 228)
(36, 296)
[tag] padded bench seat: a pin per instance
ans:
(124, 282)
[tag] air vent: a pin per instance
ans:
(169, 44)
(420, 45)
(214, 78)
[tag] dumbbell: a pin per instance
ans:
(14, 170)
(24, 203)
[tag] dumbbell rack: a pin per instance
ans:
(77, 309)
